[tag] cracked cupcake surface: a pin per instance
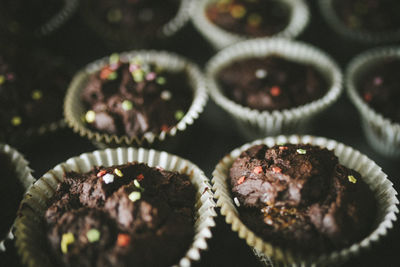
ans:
(121, 215)
(135, 98)
(299, 197)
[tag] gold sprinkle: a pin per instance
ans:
(118, 172)
(37, 94)
(238, 11)
(352, 179)
(2, 79)
(16, 120)
(90, 116)
(66, 240)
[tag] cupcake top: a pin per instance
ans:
(369, 15)
(122, 215)
(379, 88)
(11, 192)
(299, 197)
(134, 19)
(31, 92)
(135, 98)
(251, 18)
(271, 83)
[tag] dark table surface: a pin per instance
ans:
(213, 135)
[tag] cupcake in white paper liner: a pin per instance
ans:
(382, 133)
(254, 123)
(220, 38)
(30, 234)
(354, 34)
(24, 180)
(74, 107)
(269, 254)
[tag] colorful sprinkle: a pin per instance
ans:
(10, 76)
(114, 59)
(275, 91)
(134, 196)
(114, 15)
(133, 67)
(276, 169)
(37, 94)
(105, 72)
(261, 73)
(2, 79)
(236, 200)
(66, 240)
(301, 151)
(238, 11)
(90, 116)
(16, 120)
(108, 178)
(138, 75)
(151, 76)
(258, 170)
(93, 235)
(254, 20)
(123, 240)
(127, 105)
(101, 173)
(136, 183)
(352, 179)
(112, 76)
(378, 80)
(166, 95)
(118, 172)
(368, 97)
(241, 180)
(179, 115)
(164, 128)
(283, 148)
(161, 80)
(140, 177)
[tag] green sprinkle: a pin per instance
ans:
(90, 116)
(127, 105)
(37, 94)
(161, 80)
(352, 179)
(179, 115)
(118, 172)
(66, 240)
(138, 76)
(16, 120)
(2, 79)
(114, 15)
(93, 235)
(114, 58)
(301, 151)
(134, 196)
(112, 76)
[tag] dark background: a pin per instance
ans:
(213, 135)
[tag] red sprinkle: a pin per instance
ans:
(241, 180)
(275, 90)
(101, 173)
(367, 97)
(123, 240)
(283, 147)
(276, 169)
(105, 72)
(140, 177)
(258, 170)
(164, 128)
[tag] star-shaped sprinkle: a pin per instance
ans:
(108, 178)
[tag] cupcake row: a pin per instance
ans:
(299, 200)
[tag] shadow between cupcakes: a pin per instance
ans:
(267, 253)
(74, 108)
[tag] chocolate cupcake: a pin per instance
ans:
(135, 98)
(372, 82)
(294, 202)
(136, 23)
(226, 22)
(272, 86)
(34, 18)
(370, 21)
(16, 179)
(122, 213)
(31, 95)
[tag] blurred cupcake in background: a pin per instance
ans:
(224, 22)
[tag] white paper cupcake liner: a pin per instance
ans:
(361, 36)
(174, 25)
(382, 133)
(371, 173)
(29, 232)
(74, 108)
(221, 38)
(254, 123)
(23, 175)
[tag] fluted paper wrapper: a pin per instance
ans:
(381, 133)
(254, 123)
(116, 38)
(349, 157)
(74, 107)
(220, 38)
(360, 36)
(23, 176)
(29, 224)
